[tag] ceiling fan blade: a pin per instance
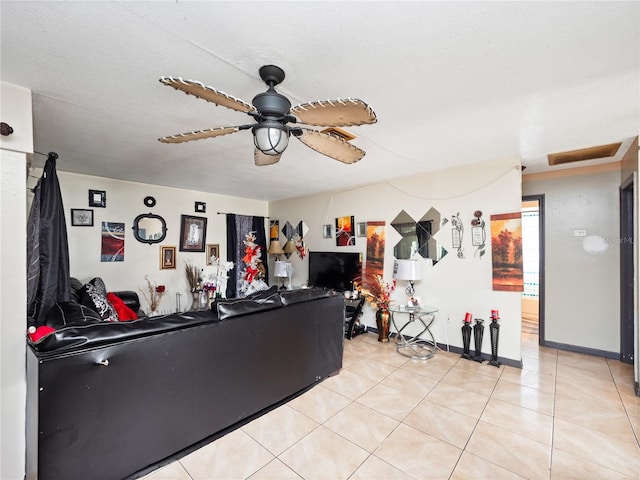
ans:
(335, 113)
(209, 94)
(263, 159)
(330, 145)
(199, 135)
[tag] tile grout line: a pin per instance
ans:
(624, 405)
(553, 416)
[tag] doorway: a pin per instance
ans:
(533, 267)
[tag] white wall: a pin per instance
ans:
(16, 110)
(124, 203)
(454, 285)
(582, 294)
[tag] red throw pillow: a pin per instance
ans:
(123, 311)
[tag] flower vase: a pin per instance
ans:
(195, 305)
(382, 322)
(204, 300)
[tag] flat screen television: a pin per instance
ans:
(335, 270)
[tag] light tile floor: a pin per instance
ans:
(562, 416)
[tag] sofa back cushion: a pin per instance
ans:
(241, 306)
(289, 297)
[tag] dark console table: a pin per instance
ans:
(352, 313)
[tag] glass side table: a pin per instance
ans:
(414, 347)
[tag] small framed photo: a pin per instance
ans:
(167, 257)
(361, 229)
(213, 250)
(193, 232)
(414, 302)
(97, 198)
(81, 217)
(326, 231)
(201, 207)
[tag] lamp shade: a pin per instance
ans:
(282, 269)
(275, 248)
(407, 270)
(289, 247)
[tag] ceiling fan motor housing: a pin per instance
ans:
(271, 103)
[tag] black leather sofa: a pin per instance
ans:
(108, 401)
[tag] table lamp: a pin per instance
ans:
(408, 270)
(275, 249)
(283, 269)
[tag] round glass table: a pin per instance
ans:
(414, 346)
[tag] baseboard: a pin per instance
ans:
(589, 351)
(504, 361)
(444, 347)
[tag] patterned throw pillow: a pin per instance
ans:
(94, 296)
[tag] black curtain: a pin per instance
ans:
(47, 247)
(237, 227)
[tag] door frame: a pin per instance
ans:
(628, 339)
(541, 287)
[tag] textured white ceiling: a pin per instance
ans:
(452, 83)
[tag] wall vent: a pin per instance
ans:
(591, 153)
(338, 132)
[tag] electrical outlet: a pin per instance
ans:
(580, 233)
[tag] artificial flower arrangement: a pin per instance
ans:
(254, 272)
(155, 294)
(299, 244)
(209, 288)
(194, 279)
(375, 290)
(216, 282)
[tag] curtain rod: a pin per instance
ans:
(227, 213)
(50, 154)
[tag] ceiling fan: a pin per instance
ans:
(273, 113)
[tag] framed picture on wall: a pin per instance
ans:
(193, 232)
(326, 231)
(97, 198)
(81, 217)
(213, 250)
(167, 257)
(361, 229)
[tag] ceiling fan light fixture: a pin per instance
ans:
(271, 137)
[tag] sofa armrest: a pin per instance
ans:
(131, 300)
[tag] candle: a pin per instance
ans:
(495, 315)
(467, 317)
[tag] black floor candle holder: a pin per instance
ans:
(466, 341)
(478, 333)
(494, 330)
